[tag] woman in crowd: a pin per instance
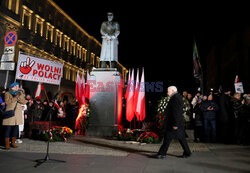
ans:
(14, 98)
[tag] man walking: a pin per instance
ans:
(174, 124)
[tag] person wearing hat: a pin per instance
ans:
(13, 98)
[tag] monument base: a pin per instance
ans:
(103, 100)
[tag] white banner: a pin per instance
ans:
(239, 87)
(38, 70)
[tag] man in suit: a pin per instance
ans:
(174, 124)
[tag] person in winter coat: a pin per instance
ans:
(224, 116)
(198, 122)
(14, 98)
(209, 109)
(174, 124)
(239, 118)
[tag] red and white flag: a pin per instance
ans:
(87, 87)
(141, 108)
(130, 112)
(136, 93)
(82, 89)
(128, 82)
(39, 89)
(78, 86)
(56, 105)
(236, 79)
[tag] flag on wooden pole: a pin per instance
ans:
(130, 112)
(136, 93)
(141, 108)
(77, 88)
(128, 82)
(87, 87)
(38, 92)
(82, 89)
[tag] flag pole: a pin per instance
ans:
(46, 94)
(201, 83)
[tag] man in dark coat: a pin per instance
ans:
(174, 124)
(224, 116)
(209, 109)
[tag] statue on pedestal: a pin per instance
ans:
(109, 52)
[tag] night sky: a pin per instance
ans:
(159, 36)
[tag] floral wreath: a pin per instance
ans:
(58, 133)
(85, 114)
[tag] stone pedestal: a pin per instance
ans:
(103, 100)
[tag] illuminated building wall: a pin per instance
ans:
(45, 30)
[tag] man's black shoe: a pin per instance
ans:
(159, 156)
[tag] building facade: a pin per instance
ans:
(227, 59)
(44, 30)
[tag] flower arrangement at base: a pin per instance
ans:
(123, 134)
(160, 117)
(138, 135)
(57, 133)
(186, 112)
(148, 137)
(82, 121)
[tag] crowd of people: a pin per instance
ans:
(220, 116)
(214, 116)
(32, 110)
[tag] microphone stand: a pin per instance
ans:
(47, 158)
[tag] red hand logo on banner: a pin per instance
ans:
(26, 66)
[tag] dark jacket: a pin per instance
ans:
(37, 111)
(225, 107)
(237, 108)
(174, 112)
(198, 115)
(209, 114)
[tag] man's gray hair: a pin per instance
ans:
(173, 88)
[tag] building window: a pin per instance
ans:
(78, 51)
(26, 17)
(66, 43)
(92, 59)
(49, 32)
(58, 38)
(39, 25)
(73, 76)
(97, 62)
(84, 54)
(72, 47)
(67, 72)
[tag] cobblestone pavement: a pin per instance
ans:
(92, 154)
(99, 146)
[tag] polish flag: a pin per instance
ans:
(236, 79)
(119, 102)
(39, 89)
(128, 82)
(82, 90)
(56, 105)
(77, 88)
(87, 87)
(140, 108)
(136, 93)
(130, 112)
